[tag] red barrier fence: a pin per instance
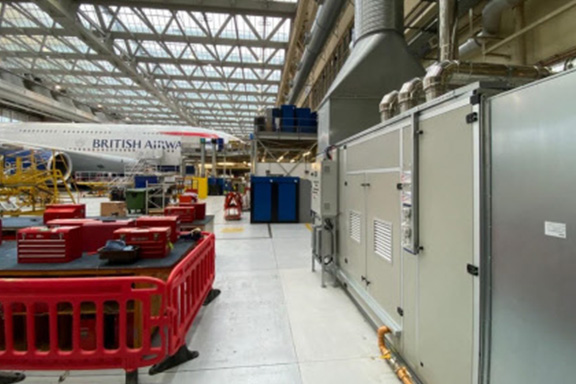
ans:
(188, 286)
(102, 323)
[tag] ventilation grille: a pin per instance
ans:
(383, 239)
(354, 225)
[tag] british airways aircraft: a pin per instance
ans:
(74, 147)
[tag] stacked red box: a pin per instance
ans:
(64, 211)
(154, 242)
(186, 199)
(49, 245)
(97, 233)
(199, 211)
(186, 213)
(161, 221)
(68, 222)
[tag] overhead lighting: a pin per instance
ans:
(306, 153)
(293, 160)
(281, 158)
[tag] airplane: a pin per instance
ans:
(72, 147)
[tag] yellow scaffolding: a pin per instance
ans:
(28, 183)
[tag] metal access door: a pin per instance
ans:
(353, 215)
(383, 240)
(446, 291)
(533, 337)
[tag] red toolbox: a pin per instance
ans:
(49, 245)
(64, 211)
(161, 221)
(199, 211)
(186, 213)
(95, 234)
(154, 242)
(68, 222)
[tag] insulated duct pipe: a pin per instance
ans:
(446, 10)
(441, 77)
(323, 24)
(491, 16)
(373, 16)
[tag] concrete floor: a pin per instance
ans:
(272, 324)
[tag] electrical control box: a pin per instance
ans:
(324, 178)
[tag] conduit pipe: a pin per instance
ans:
(491, 15)
(325, 18)
(400, 370)
(441, 77)
(389, 105)
(411, 94)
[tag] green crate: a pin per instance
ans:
(136, 200)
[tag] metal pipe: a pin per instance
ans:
(202, 157)
(389, 106)
(446, 9)
(440, 77)
(373, 16)
(325, 19)
(411, 94)
(400, 370)
(530, 27)
(491, 15)
(214, 173)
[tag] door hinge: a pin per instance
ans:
(400, 311)
(475, 99)
(472, 269)
(365, 184)
(399, 186)
(472, 117)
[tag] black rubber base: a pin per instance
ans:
(9, 378)
(181, 356)
(213, 294)
(132, 377)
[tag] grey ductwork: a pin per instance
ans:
(325, 18)
(491, 16)
(379, 63)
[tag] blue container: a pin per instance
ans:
(190, 170)
(141, 181)
(261, 202)
(288, 121)
(288, 199)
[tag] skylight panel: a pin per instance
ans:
(189, 24)
(201, 52)
(7, 44)
(159, 18)
(245, 31)
(153, 49)
(39, 15)
(283, 34)
(127, 17)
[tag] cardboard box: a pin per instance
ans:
(113, 208)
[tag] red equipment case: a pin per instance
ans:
(186, 213)
(97, 233)
(154, 242)
(199, 211)
(64, 211)
(161, 221)
(68, 222)
(49, 245)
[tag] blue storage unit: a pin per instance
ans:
(275, 199)
(142, 181)
(288, 188)
(288, 121)
(261, 199)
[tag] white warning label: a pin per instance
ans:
(555, 229)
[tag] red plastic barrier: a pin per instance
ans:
(187, 288)
(58, 330)
(108, 322)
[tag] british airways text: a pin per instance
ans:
(135, 144)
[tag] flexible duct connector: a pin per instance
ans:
(411, 95)
(491, 15)
(444, 76)
(373, 16)
(323, 24)
(389, 106)
(400, 370)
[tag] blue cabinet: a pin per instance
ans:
(274, 199)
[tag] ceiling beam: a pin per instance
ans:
(139, 59)
(4, 31)
(246, 7)
(60, 72)
(64, 12)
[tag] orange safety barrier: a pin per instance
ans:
(105, 322)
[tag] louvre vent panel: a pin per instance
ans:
(354, 225)
(383, 239)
